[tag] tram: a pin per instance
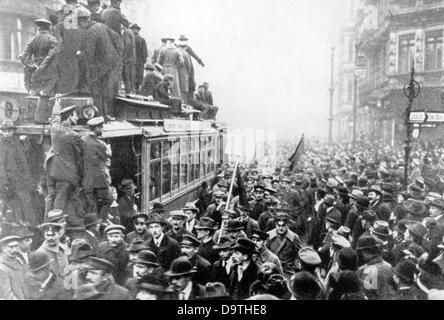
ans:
(168, 158)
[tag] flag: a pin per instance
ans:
(294, 159)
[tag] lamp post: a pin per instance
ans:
(411, 91)
(332, 91)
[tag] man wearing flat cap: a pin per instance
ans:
(114, 250)
(164, 247)
(177, 231)
(264, 255)
(64, 163)
(12, 274)
(190, 247)
(258, 205)
(244, 271)
(99, 274)
(96, 178)
(38, 58)
(140, 228)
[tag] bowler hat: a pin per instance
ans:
(8, 124)
(381, 229)
(245, 246)
(190, 240)
(259, 234)
(180, 267)
(206, 223)
(95, 263)
(136, 246)
(368, 242)
(151, 284)
(309, 256)
(225, 242)
(405, 270)
(113, 228)
(417, 228)
(234, 225)
(158, 207)
(148, 258)
(135, 26)
(156, 218)
(178, 214)
(38, 260)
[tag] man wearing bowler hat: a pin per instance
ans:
(190, 247)
(165, 248)
(140, 229)
(99, 275)
(376, 275)
(177, 231)
(114, 250)
(12, 274)
(64, 163)
(96, 179)
(41, 282)
(205, 232)
(263, 253)
(244, 271)
(182, 286)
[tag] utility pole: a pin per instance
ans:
(332, 91)
(411, 91)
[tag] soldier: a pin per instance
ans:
(64, 163)
(150, 81)
(101, 60)
(96, 179)
(141, 55)
(171, 59)
(38, 58)
(114, 18)
(16, 185)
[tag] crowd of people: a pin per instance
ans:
(338, 226)
(94, 49)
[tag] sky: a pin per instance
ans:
(267, 61)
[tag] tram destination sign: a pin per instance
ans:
(171, 125)
(423, 117)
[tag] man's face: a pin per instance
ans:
(373, 196)
(96, 277)
(202, 234)
(281, 228)
(180, 282)
(52, 236)
(244, 213)
(190, 251)
(233, 234)
(140, 270)
(435, 212)
(177, 223)
(266, 194)
(258, 241)
(155, 230)
(145, 295)
(238, 257)
(135, 31)
(275, 185)
(259, 194)
(114, 238)
(249, 186)
(139, 225)
(10, 250)
(114, 193)
(285, 185)
(25, 244)
(267, 181)
(272, 207)
(190, 215)
(217, 200)
(83, 23)
(225, 254)
(133, 256)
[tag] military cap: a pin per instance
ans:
(53, 219)
(150, 67)
(339, 241)
(66, 110)
(206, 223)
(271, 201)
(368, 242)
(135, 26)
(282, 216)
(224, 243)
(8, 239)
(95, 263)
(417, 229)
(136, 246)
(43, 22)
(245, 246)
(114, 228)
(286, 179)
(95, 122)
(438, 203)
(38, 260)
(309, 256)
(259, 188)
(190, 240)
(180, 267)
(151, 284)
(147, 257)
(8, 124)
(259, 234)
(178, 214)
(355, 194)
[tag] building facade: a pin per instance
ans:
(391, 36)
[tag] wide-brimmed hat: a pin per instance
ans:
(381, 229)
(95, 263)
(147, 257)
(368, 242)
(178, 214)
(225, 242)
(38, 260)
(136, 246)
(415, 207)
(245, 246)
(180, 267)
(234, 225)
(151, 284)
(156, 218)
(206, 223)
(190, 206)
(417, 228)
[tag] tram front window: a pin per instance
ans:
(155, 180)
(166, 176)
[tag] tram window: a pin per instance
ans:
(210, 160)
(166, 176)
(183, 170)
(203, 161)
(175, 174)
(155, 150)
(190, 167)
(196, 165)
(166, 146)
(155, 179)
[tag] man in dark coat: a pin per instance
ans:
(295, 204)
(377, 204)
(64, 163)
(177, 231)
(244, 270)
(114, 250)
(38, 58)
(183, 42)
(114, 18)
(190, 247)
(141, 55)
(221, 269)
(205, 232)
(171, 59)
(165, 248)
(184, 74)
(127, 203)
(96, 179)
(258, 205)
(214, 210)
(150, 81)
(140, 229)
(247, 222)
(163, 94)
(129, 60)
(101, 60)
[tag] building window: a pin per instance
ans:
(433, 50)
(406, 52)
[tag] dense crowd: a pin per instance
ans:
(93, 49)
(339, 226)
